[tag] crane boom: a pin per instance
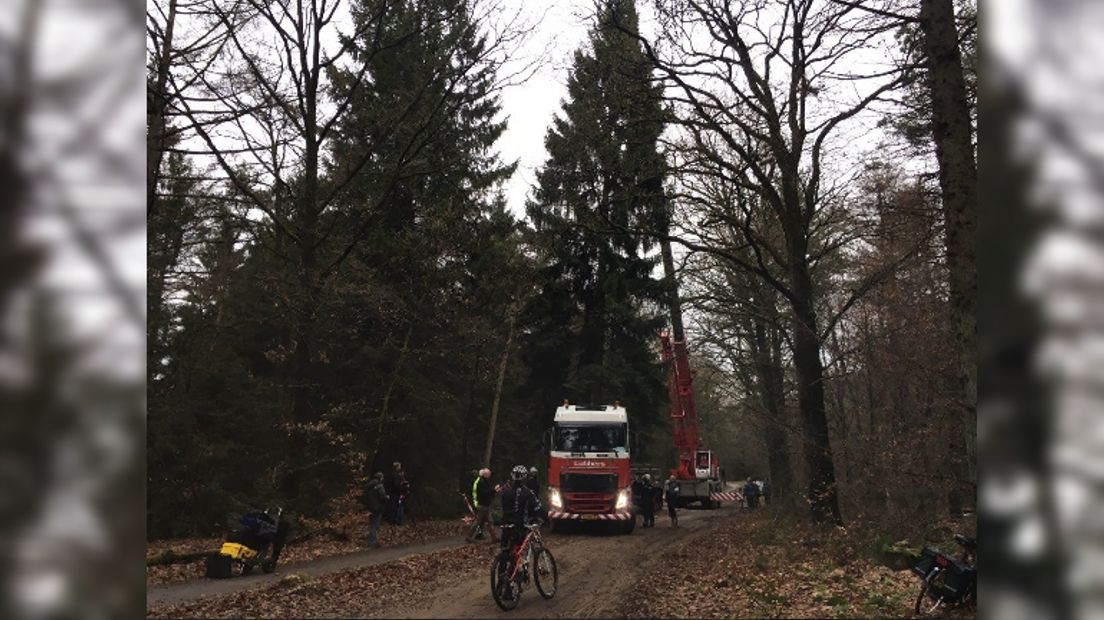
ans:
(684, 412)
(698, 473)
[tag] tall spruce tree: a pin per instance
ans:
(593, 327)
(408, 307)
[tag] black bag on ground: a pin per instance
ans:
(957, 581)
(925, 562)
(957, 577)
(218, 566)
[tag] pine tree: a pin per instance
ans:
(412, 296)
(594, 325)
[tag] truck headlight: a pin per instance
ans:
(554, 498)
(623, 499)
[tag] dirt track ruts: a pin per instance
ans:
(596, 572)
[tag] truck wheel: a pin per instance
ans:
(629, 526)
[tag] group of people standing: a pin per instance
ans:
(386, 499)
(648, 496)
(483, 493)
(520, 499)
(754, 490)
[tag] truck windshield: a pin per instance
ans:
(591, 438)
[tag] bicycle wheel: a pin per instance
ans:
(506, 591)
(545, 574)
(928, 589)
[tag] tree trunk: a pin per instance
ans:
(766, 343)
(498, 387)
(823, 494)
(385, 408)
(156, 107)
(673, 302)
(303, 380)
(952, 134)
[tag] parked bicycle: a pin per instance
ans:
(947, 580)
(513, 567)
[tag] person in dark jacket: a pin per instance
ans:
(519, 506)
(671, 493)
(647, 500)
(751, 493)
(638, 496)
(482, 494)
(377, 500)
(533, 482)
(395, 486)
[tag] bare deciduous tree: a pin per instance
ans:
(762, 89)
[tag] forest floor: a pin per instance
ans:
(720, 563)
(348, 535)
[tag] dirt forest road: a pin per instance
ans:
(596, 573)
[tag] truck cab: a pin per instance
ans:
(589, 475)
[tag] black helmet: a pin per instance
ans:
(519, 472)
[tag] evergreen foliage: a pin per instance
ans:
(595, 323)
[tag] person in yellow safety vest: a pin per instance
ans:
(482, 494)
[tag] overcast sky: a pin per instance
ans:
(530, 107)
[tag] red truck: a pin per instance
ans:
(589, 476)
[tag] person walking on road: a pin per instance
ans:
(482, 494)
(377, 500)
(671, 492)
(647, 500)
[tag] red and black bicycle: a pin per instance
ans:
(514, 566)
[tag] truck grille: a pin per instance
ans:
(588, 483)
(589, 502)
(589, 492)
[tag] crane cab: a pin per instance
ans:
(705, 465)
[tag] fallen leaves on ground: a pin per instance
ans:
(354, 537)
(354, 592)
(751, 567)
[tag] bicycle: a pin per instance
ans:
(468, 520)
(510, 569)
(947, 579)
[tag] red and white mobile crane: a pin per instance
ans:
(698, 472)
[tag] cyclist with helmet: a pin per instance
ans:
(519, 506)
